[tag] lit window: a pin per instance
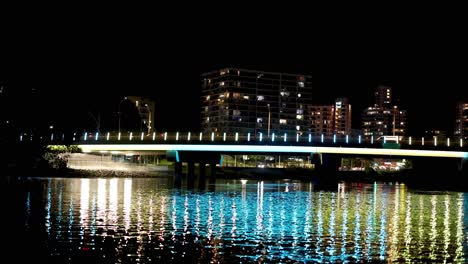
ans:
(208, 98)
(299, 116)
(301, 84)
(136, 103)
(300, 111)
(402, 123)
(206, 108)
(298, 127)
(283, 121)
(298, 95)
(259, 120)
(207, 119)
(246, 97)
(260, 97)
(236, 95)
(221, 84)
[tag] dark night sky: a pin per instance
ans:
(426, 66)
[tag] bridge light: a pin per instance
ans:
(435, 141)
(448, 142)
(461, 142)
(154, 136)
(131, 135)
(85, 136)
(285, 137)
(21, 137)
(201, 136)
(142, 135)
(422, 141)
(248, 136)
(372, 139)
(347, 139)
(334, 138)
(224, 136)
(237, 136)
(261, 136)
(165, 136)
(97, 136)
(188, 136)
(273, 137)
(118, 136)
(310, 138)
(177, 136)
(321, 138)
(297, 137)
(108, 135)
(212, 136)
(359, 139)
(52, 137)
(384, 140)
(410, 141)
(397, 139)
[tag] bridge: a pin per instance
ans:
(208, 148)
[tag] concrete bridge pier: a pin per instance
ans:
(190, 174)
(178, 174)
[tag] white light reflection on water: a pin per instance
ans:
(249, 222)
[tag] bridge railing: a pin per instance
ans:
(245, 138)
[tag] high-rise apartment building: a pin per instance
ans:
(461, 120)
(331, 119)
(239, 100)
(383, 118)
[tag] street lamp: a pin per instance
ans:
(269, 115)
(120, 113)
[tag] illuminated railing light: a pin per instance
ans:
(85, 136)
(177, 136)
(410, 141)
(212, 136)
(347, 139)
(224, 136)
(321, 138)
(435, 141)
(285, 137)
(97, 136)
(372, 139)
(248, 137)
(165, 136)
(108, 135)
(52, 137)
(310, 138)
(297, 137)
(422, 141)
(398, 140)
(448, 142)
(188, 136)
(131, 135)
(261, 135)
(237, 136)
(142, 135)
(273, 137)
(21, 137)
(384, 140)
(201, 136)
(334, 138)
(118, 136)
(154, 136)
(359, 139)
(461, 142)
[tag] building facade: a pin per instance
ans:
(240, 100)
(146, 108)
(461, 121)
(331, 119)
(383, 118)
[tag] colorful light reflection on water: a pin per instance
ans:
(147, 220)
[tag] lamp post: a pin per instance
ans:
(120, 113)
(269, 115)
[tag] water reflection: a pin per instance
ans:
(143, 220)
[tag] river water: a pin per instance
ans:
(144, 220)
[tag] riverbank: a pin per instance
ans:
(413, 179)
